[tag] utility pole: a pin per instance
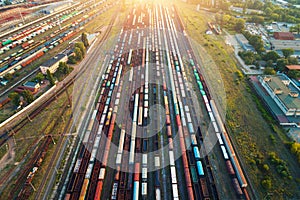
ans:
(28, 117)
(32, 186)
(21, 15)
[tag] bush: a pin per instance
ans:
(267, 183)
(266, 167)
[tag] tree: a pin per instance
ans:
(269, 71)
(85, 40)
(292, 61)
(78, 54)
(271, 55)
(295, 28)
(294, 74)
(8, 76)
(257, 19)
(80, 45)
(239, 25)
(287, 52)
(266, 167)
(63, 68)
(71, 60)
(39, 77)
(268, 11)
(15, 98)
(28, 97)
(255, 41)
(281, 63)
(266, 183)
(50, 78)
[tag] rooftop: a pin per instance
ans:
(293, 67)
(30, 84)
(277, 84)
(241, 38)
(284, 35)
(53, 60)
(283, 44)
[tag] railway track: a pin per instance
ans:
(116, 159)
(44, 105)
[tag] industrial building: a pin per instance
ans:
(284, 36)
(53, 63)
(244, 42)
(56, 7)
(284, 93)
(283, 44)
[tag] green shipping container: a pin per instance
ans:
(194, 174)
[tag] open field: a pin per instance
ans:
(248, 129)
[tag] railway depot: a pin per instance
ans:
(144, 120)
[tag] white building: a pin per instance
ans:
(284, 93)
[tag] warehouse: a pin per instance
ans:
(284, 36)
(56, 7)
(284, 93)
(244, 42)
(53, 63)
(283, 44)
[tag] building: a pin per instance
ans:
(53, 63)
(293, 67)
(56, 7)
(244, 42)
(284, 93)
(33, 85)
(247, 11)
(283, 44)
(284, 36)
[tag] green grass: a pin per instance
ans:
(30, 134)
(246, 118)
(3, 150)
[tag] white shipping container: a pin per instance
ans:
(171, 155)
(219, 138)
(144, 162)
(101, 174)
(157, 194)
(144, 173)
(215, 127)
(211, 116)
(144, 188)
(118, 159)
(175, 191)
(224, 152)
(77, 165)
(188, 116)
(208, 107)
(173, 174)
(156, 161)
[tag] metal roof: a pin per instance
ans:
(53, 60)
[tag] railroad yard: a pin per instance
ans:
(145, 69)
(137, 117)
